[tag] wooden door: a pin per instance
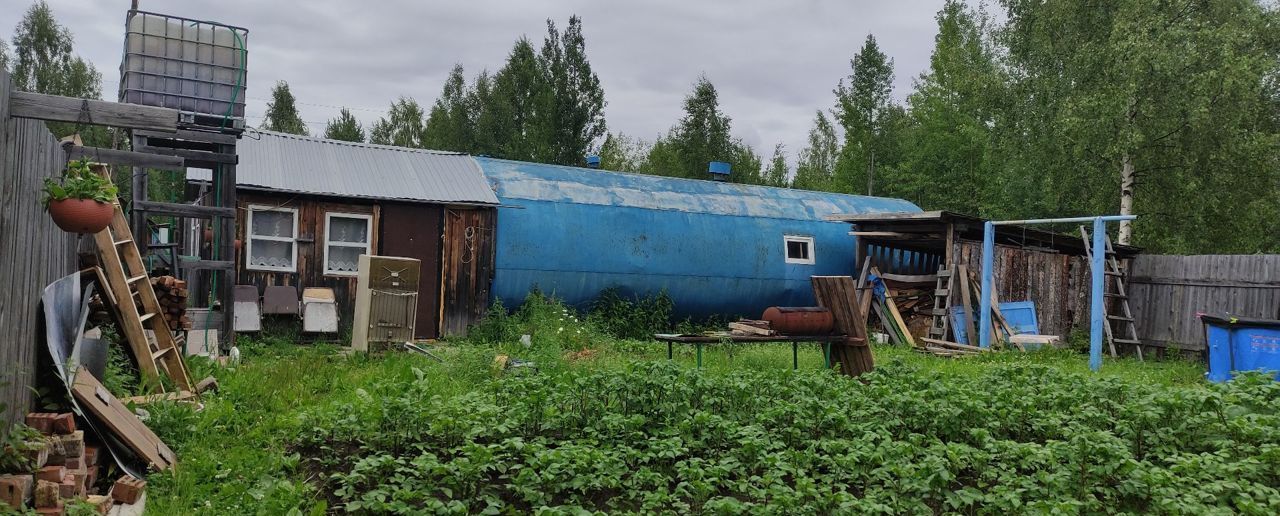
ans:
(413, 231)
(468, 267)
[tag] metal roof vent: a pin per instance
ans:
(719, 170)
(593, 161)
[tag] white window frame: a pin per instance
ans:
(367, 246)
(807, 241)
(250, 237)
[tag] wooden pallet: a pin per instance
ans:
(137, 309)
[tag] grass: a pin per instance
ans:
(235, 454)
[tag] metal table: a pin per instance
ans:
(795, 340)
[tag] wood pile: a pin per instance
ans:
(751, 328)
(172, 294)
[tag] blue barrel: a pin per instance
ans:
(1241, 344)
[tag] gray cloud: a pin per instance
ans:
(774, 63)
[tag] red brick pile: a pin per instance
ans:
(64, 469)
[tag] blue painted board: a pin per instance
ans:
(1021, 315)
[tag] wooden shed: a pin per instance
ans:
(308, 207)
(1031, 264)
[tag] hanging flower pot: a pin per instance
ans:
(81, 201)
(81, 215)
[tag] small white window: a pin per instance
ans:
(273, 239)
(347, 236)
(799, 249)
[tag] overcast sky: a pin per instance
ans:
(773, 62)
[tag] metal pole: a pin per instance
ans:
(988, 256)
(1096, 315)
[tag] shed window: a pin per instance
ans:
(799, 249)
(273, 239)
(346, 238)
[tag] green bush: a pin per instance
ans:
(636, 318)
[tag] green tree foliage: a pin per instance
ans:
(1168, 104)
(43, 62)
(518, 107)
(345, 128)
(817, 166)
(544, 105)
(449, 126)
(952, 112)
(4, 56)
(776, 174)
(862, 101)
(702, 136)
(282, 112)
(402, 127)
(575, 116)
(623, 153)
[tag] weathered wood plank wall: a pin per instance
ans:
(1058, 283)
(467, 268)
(33, 252)
(1168, 291)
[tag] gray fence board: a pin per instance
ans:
(1166, 292)
(33, 251)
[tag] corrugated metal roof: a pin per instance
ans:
(516, 180)
(302, 164)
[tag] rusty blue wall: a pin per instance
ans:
(716, 248)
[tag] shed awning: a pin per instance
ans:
(927, 229)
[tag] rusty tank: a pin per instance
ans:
(799, 320)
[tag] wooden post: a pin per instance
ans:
(138, 193)
(227, 279)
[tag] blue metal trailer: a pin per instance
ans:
(717, 248)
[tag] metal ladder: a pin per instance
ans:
(941, 325)
(129, 288)
(1119, 326)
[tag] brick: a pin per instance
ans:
(70, 487)
(103, 503)
(41, 421)
(15, 490)
(64, 423)
(73, 444)
(127, 489)
(56, 510)
(53, 474)
(47, 494)
(90, 456)
(38, 453)
(57, 453)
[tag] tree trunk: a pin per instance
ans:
(1126, 199)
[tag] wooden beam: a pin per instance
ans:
(193, 156)
(121, 157)
(183, 210)
(221, 265)
(190, 136)
(891, 235)
(54, 108)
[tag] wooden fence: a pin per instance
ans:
(1166, 293)
(33, 252)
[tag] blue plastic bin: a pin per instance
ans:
(1240, 344)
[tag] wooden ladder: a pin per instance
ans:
(137, 309)
(940, 328)
(1119, 326)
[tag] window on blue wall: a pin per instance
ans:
(799, 249)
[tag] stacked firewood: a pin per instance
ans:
(172, 294)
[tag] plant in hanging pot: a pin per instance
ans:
(81, 201)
